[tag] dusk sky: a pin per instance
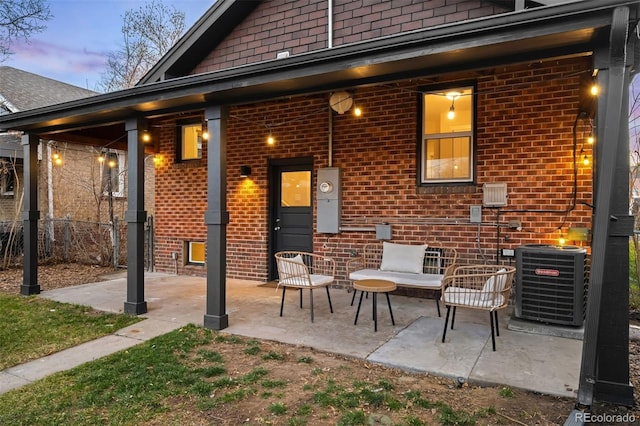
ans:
(74, 47)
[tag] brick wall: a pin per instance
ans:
(300, 26)
(77, 186)
(525, 119)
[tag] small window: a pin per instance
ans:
(113, 173)
(7, 181)
(189, 141)
(195, 253)
(447, 140)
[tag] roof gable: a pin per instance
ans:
(22, 90)
(234, 33)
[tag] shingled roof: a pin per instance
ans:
(22, 90)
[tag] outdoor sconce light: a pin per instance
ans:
(245, 171)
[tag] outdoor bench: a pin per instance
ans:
(418, 266)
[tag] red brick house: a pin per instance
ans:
(474, 134)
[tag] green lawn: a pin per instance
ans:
(183, 377)
(634, 286)
(33, 327)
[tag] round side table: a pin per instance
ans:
(374, 286)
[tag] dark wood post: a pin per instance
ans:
(216, 218)
(135, 217)
(30, 216)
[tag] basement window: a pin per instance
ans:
(195, 253)
(447, 143)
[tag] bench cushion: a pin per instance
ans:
(402, 257)
(402, 279)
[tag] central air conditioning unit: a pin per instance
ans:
(551, 284)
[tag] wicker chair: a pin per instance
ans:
(303, 270)
(484, 287)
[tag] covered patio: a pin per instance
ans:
(544, 363)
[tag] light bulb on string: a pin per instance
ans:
(57, 158)
(591, 138)
(357, 111)
(270, 140)
(452, 111)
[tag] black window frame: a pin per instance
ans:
(420, 135)
(179, 126)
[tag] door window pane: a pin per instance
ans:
(295, 189)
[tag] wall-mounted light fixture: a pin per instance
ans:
(245, 171)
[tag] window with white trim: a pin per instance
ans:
(113, 173)
(447, 142)
(195, 252)
(189, 144)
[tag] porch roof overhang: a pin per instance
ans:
(533, 34)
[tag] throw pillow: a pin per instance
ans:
(402, 257)
(495, 283)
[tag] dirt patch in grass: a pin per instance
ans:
(55, 276)
(264, 382)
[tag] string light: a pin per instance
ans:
(591, 139)
(357, 111)
(562, 241)
(452, 112)
(57, 158)
(594, 89)
(270, 140)
(146, 137)
(452, 109)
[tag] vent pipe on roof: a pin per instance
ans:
(330, 24)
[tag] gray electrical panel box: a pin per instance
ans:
(475, 214)
(329, 200)
(383, 231)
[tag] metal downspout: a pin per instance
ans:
(606, 171)
(329, 24)
(330, 141)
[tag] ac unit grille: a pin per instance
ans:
(550, 284)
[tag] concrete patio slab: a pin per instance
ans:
(546, 364)
(419, 348)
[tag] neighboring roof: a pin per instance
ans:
(530, 34)
(22, 90)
